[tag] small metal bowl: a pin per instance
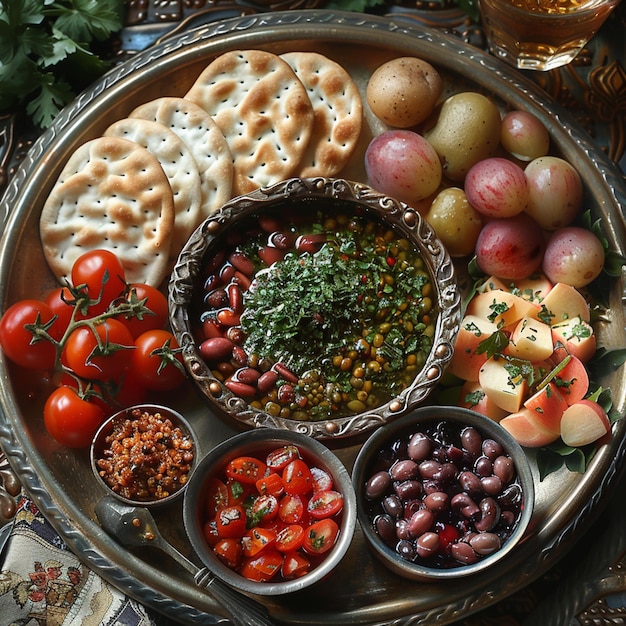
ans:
(375, 456)
(159, 492)
(258, 443)
(307, 195)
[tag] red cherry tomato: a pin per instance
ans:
(155, 300)
(290, 538)
(297, 478)
(103, 275)
(257, 539)
(264, 509)
(216, 496)
(59, 302)
(20, 344)
(295, 565)
(71, 420)
(325, 504)
(155, 362)
(87, 359)
(229, 552)
(321, 536)
(231, 522)
(279, 459)
(272, 484)
(264, 566)
(291, 509)
(246, 469)
(322, 480)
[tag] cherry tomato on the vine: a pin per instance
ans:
(103, 275)
(155, 300)
(71, 420)
(87, 359)
(156, 363)
(59, 301)
(21, 344)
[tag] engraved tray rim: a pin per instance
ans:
(178, 598)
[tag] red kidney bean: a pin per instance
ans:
(377, 485)
(386, 528)
(463, 553)
(491, 485)
(472, 441)
(227, 272)
(406, 549)
(284, 372)
(270, 255)
(214, 262)
(227, 317)
(420, 522)
(489, 515)
(310, 243)
(211, 329)
(404, 470)
(280, 240)
(470, 483)
(235, 298)
(485, 543)
(242, 280)
(408, 489)
(216, 349)
(240, 389)
(419, 447)
(269, 223)
(239, 356)
(247, 375)
(483, 466)
(235, 334)
(446, 473)
(461, 503)
(437, 501)
(393, 505)
(402, 529)
(429, 468)
(216, 299)
(507, 518)
(211, 282)
(492, 449)
(511, 496)
(267, 381)
(241, 262)
(504, 469)
(427, 544)
(225, 368)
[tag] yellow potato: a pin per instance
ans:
(404, 91)
(455, 221)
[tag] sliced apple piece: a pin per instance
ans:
(573, 380)
(548, 405)
(584, 422)
(465, 362)
(564, 302)
(577, 337)
(503, 383)
(526, 430)
(473, 396)
(491, 283)
(531, 340)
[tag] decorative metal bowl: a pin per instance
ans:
(258, 444)
(442, 565)
(309, 193)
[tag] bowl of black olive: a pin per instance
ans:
(315, 305)
(442, 493)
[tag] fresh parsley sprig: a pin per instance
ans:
(48, 52)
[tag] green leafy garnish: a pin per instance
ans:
(47, 52)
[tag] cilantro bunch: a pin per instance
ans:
(48, 52)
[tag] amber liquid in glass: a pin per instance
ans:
(542, 34)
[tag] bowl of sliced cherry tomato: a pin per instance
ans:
(270, 512)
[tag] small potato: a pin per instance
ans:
(455, 221)
(404, 91)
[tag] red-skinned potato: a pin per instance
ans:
(526, 430)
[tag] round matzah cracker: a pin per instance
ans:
(338, 112)
(205, 141)
(179, 167)
(262, 109)
(112, 194)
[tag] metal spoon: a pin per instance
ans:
(135, 527)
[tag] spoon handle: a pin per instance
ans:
(244, 611)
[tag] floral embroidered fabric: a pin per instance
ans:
(43, 584)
